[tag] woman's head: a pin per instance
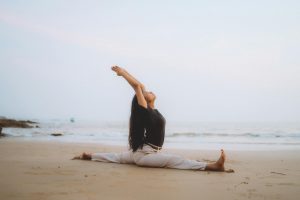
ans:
(136, 126)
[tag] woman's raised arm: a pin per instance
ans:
(135, 84)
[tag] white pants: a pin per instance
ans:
(148, 157)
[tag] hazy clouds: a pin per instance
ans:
(206, 61)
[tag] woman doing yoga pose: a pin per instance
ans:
(146, 136)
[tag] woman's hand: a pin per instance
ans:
(120, 71)
(135, 84)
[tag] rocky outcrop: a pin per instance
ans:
(57, 134)
(1, 133)
(4, 122)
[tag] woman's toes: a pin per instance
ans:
(76, 158)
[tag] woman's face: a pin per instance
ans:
(149, 96)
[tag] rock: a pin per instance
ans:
(4, 122)
(1, 134)
(57, 134)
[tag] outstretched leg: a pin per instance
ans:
(123, 158)
(165, 160)
(147, 157)
(219, 165)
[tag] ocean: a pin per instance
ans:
(187, 135)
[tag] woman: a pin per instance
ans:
(146, 136)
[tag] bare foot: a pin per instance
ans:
(76, 158)
(83, 156)
(219, 165)
(221, 160)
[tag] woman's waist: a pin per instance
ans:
(153, 146)
(154, 140)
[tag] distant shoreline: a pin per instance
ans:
(256, 136)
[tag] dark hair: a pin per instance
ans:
(136, 126)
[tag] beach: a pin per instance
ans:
(32, 170)
(191, 77)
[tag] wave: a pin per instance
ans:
(252, 135)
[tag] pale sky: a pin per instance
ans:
(204, 60)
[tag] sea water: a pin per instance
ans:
(188, 135)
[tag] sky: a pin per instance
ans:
(204, 60)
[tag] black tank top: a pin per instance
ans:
(154, 125)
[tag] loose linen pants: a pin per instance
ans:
(149, 157)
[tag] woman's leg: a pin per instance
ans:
(167, 161)
(147, 158)
(123, 158)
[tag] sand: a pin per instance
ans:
(43, 170)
